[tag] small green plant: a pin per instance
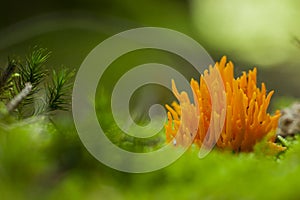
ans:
(29, 89)
(57, 97)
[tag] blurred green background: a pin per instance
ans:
(57, 166)
(251, 33)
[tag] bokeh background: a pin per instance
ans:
(264, 34)
(251, 33)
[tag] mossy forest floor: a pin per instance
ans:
(40, 161)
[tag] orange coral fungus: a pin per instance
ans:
(244, 111)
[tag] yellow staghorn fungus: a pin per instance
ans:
(246, 119)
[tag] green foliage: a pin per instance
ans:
(58, 91)
(33, 70)
(57, 166)
(33, 73)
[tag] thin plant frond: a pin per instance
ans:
(58, 91)
(34, 72)
(21, 86)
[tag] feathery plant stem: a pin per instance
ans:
(34, 70)
(58, 90)
(21, 84)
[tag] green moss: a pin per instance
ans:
(38, 161)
